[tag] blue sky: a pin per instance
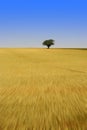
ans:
(27, 23)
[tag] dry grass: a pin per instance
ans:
(43, 89)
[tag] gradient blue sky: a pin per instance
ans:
(27, 23)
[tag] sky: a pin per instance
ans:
(27, 23)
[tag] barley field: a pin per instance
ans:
(43, 89)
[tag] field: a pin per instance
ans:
(43, 89)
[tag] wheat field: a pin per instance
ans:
(43, 89)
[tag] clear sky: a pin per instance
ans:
(27, 23)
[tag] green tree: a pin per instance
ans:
(48, 43)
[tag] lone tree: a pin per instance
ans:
(48, 43)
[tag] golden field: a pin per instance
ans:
(43, 89)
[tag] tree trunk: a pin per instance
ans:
(48, 46)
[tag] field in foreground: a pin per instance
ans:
(43, 89)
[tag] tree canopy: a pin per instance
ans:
(48, 43)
